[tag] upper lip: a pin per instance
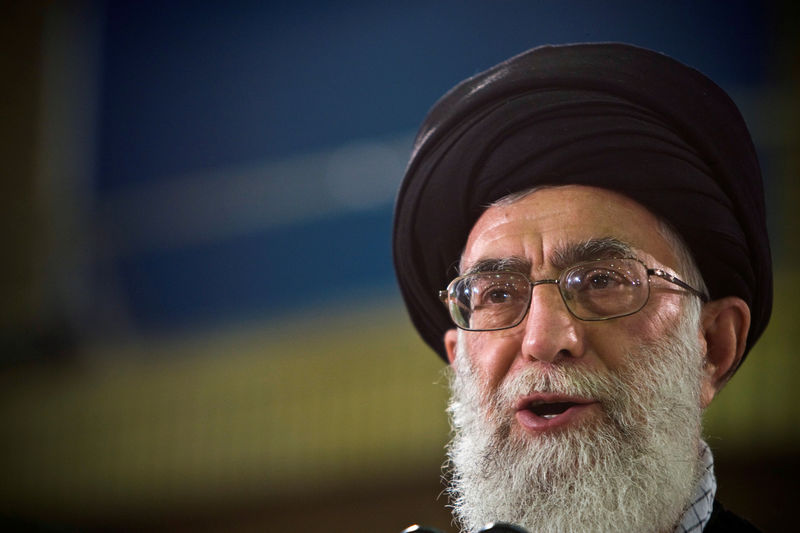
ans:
(526, 402)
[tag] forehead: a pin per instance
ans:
(537, 225)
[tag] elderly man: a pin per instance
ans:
(581, 235)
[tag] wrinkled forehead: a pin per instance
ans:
(554, 227)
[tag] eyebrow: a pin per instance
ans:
(506, 264)
(569, 254)
(562, 257)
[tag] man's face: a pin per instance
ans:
(560, 421)
(540, 227)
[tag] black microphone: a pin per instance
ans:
(500, 527)
(494, 527)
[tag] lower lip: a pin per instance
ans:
(533, 422)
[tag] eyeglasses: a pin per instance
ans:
(592, 290)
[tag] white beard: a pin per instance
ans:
(632, 470)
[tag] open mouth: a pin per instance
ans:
(550, 410)
(541, 412)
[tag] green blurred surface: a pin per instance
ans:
(759, 408)
(248, 413)
(271, 411)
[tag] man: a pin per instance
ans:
(581, 235)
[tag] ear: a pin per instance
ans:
(724, 324)
(450, 341)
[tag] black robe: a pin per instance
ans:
(724, 521)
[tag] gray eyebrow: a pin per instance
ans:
(494, 264)
(562, 257)
(566, 255)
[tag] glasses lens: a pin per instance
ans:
(489, 300)
(605, 289)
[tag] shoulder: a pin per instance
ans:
(724, 521)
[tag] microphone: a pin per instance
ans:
(501, 527)
(493, 527)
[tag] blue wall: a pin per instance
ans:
(204, 89)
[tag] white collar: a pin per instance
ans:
(698, 514)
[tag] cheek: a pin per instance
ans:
(492, 355)
(611, 345)
(660, 319)
(614, 340)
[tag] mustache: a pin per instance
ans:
(610, 389)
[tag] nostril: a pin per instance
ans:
(565, 354)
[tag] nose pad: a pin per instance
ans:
(551, 331)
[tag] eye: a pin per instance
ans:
(602, 279)
(495, 294)
(597, 279)
(495, 290)
(605, 289)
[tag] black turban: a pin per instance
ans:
(606, 115)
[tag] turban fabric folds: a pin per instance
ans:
(605, 115)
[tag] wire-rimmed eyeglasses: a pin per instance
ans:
(593, 290)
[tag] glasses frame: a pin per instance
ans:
(445, 294)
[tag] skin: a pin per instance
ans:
(533, 228)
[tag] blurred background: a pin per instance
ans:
(200, 325)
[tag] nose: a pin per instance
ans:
(551, 331)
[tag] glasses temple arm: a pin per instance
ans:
(672, 279)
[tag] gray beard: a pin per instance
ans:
(633, 469)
